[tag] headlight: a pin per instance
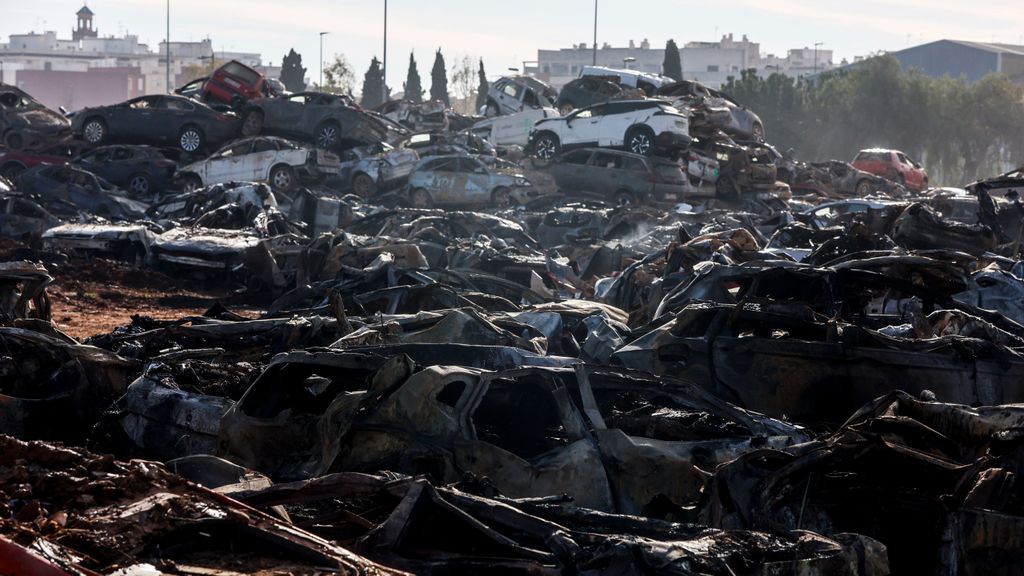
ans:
(523, 182)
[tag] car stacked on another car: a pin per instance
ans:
(894, 165)
(184, 122)
(235, 84)
(512, 94)
(141, 170)
(623, 178)
(589, 90)
(714, 109)
(281, 163)
(367, 169)
(14, 162)
(26, 124)
(640, 126)
(327, 120)
(458, 180)
(69, 191)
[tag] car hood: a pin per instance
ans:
(40, 120)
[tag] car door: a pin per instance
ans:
(258, 162)
(228, 164)
(604, 175)
(447, 181)
(615, 121)
(510, 95)
(583, 127)
(285, 115)
(477, 181)
(572, 170)
(133, 120)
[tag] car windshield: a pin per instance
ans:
(242, 72)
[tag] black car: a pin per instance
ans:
(621, 177)
(141, 170)
(67, 190)
(585, 91)
(186, 123)
(327, 120)
(25, 124)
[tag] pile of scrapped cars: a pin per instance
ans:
(471, 360)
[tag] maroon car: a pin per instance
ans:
(235, 84)
(14, 162)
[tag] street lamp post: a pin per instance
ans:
(384, 62)
(816, 44)
(321, 85)
(594, 47)
(167, 52)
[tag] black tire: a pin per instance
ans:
(191, 139)
(14, 140)
(725, 188)
(140, 184)
(566, 108)
(863, 188)
(328, 134)
(420, 198)
(191, 183)
(282, 178)
(624, 198)
(363, 185)
(11, 170)
(492, 109)
(252, 125)
(94, 131)
(546, 145)
(502, 197)
(640, 140)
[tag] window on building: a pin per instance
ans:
(712, 68)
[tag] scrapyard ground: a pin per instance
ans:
(95, 296)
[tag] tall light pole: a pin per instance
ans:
(322, 34)
(594, 48)
(384, 63)
(167, 45)
(816, 44)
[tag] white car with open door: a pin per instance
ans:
(640, 126)
(281, 163)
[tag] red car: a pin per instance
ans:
(894, 165)
(14, 162)
(235, 84)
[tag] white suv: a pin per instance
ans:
(640, 126)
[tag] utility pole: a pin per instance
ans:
(321, 85)
(816, 44)
(384, 63)
(167, 52)
(594, 62)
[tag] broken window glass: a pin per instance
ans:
(537, 427)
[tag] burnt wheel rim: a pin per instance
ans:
(190, 140)
(93, 132)
(640, 143)
(139, 184)
(502, 199)
(546, 147)
(420, 199)
(281, 179)
(363, 185)
(326, 137)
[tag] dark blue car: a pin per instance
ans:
(69, 191)
(141, 170)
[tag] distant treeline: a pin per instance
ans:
(957, 130)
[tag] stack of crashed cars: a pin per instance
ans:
(459, 364)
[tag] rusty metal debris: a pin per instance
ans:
(471, 349)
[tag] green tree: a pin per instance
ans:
(439, 80)
(481, 88)
(338, 76)
(413, 88)
(672, 66)
(373, 92)
(293, 75)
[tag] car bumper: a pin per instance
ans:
(673, 140)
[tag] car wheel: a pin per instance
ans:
(502, 197)
(191, 183)
(327, 135)
(566, 108)
(282, 178)
(624, 198)
(640, 141)
(757, 132)
(863, 188)
(94, 131)
(726, 188)
(11, 170)
(190, 139)
(364, 186)
(420, 198)
(253, 123)
(15, 141)
(491, 111)
(546, 146)
(139, 184)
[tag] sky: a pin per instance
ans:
(506, 33)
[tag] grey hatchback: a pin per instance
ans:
(619, 176)
(457, 180)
